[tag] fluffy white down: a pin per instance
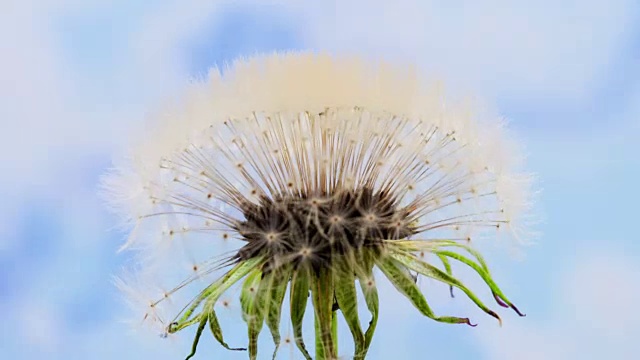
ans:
(482, 169)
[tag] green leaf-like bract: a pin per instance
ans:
(332, 288)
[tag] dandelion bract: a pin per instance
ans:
(328, 172)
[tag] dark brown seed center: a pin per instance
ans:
(290, 228)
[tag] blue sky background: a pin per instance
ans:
(78, 77)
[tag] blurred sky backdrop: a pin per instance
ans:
(77, 77)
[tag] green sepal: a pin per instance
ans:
(480, 267)
(484, 274)
(364, 272)
(433, 272)
(299, 293)
(322, 290)
(216, 330)
(397, 274)
(447, 269)
(346, 297)
(434, 245)
(212, 292)
(196, 339)
(252, 302)
(279, 280)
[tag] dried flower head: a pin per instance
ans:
(324, 169)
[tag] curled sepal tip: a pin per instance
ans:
(492, 313)
(517, 311)
(507, 304)
(456, 320)
(172, 328)
(499, 301)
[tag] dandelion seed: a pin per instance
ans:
(325, 169)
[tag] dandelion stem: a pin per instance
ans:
(322, 290)
(334, 330)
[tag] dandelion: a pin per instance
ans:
(329, 172)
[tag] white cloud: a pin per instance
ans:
(595, 150)
(56, 121)
(50, 110)
(38, 325)
(517, 50)
(32, 91)
(594, 315)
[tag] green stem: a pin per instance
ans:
(334, 330)
(321, 286)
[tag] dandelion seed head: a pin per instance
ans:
(308, 159)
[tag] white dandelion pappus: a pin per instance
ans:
(322, 168)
